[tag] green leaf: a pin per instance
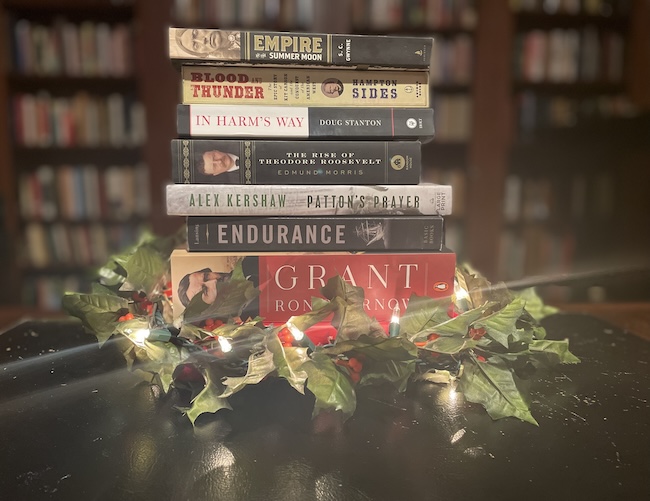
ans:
(260, 365)
(501, 324)
(350, 317)
(97, 312)
(166, 357)
(457, 326)
(450, 345)
(534, 304)
(210, 398)
(146, 269)
(333, 390)
(556, 351)
(384, 359)
(311, 318)
(422, 314)
(232, 296)
(492, 385)
(288, 362)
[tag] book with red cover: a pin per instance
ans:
(288, 281)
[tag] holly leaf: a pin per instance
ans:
(333, 390)
(232, 296)
(350, 317)
(534, 304)
(288, 362)
(97, 312)
(450, 345)
(146, 269)
(501, 324)
(556, 352)
(260, 365)
(210, 398)
(166, 357)
(492, 385)
(384, 359)
(423, 313)
(457, 326)
(480, 290)
(317, 314)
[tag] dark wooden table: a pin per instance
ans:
(76, 425)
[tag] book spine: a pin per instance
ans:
(393, 233)
(215, 46)
(288, 281)
(307, 200)
(216, 161)
(212, 120)
(290, 86)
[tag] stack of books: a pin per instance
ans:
(299, 157)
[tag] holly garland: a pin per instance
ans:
(484, 339)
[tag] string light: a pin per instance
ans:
(299, 335)
(393, 327)
(224, 344)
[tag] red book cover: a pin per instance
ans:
(288, 281)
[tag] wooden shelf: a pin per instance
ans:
(29, 157)
(62, 85)
(573, 89)
(526, 21)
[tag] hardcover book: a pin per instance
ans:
(347, 233)
(288, 281)
(213, 120)
(307, 200)
(290, 86)
(216, 161)
(215, 46)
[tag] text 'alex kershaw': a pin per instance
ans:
(310, 201)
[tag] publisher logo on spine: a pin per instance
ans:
(411, 123)
(397, 162)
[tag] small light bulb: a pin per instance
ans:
(140, 336)
(224, 344)
(393, 327)
(295, 332)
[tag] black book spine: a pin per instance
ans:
(241, 121)
(314, 234)
(216, 161)
(213, 46)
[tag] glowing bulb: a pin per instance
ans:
(295, 332)
(224, 344)
(393, 327)
(140, 336)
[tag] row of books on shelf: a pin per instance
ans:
(59, 245)
(65, 48)
(45, 292)
(536, 111)
(588, 7)
(80, 120)
(569, 56)
(452, 60)
(411, 14)
(280, 14)
(535, 250)
(558, 200)
(452, 117)
(84, 193)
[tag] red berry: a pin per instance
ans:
(433, 337)
(481, 358)
(451, 311)
(477, 334)
(355, 377)
(355, 365)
